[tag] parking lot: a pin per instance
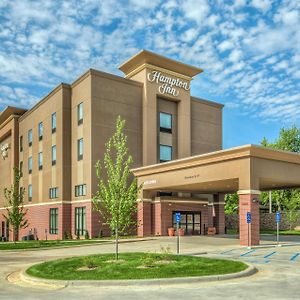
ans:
(277, 278)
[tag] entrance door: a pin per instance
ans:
(190, 221)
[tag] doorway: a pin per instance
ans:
(190, 221)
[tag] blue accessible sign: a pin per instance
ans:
(278, 217)
(178, 217)
(249, 217)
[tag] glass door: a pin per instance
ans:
(190, 222)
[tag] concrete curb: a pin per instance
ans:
(134, 282)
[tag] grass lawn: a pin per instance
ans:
(133, 266)
(45, 244)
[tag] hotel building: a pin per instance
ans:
(57, 142)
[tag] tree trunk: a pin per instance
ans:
(117, 244)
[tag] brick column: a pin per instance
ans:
(144, 218)
(219, 220)
(249, 202)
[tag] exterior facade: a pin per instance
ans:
(57, 143)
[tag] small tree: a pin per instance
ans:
(15, 212)
(116, 198)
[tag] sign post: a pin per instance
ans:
(278, 218)
(249, 229)
(178, 217)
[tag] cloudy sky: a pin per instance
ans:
(249, 50)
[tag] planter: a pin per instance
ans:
(171, 231)
(181, 231)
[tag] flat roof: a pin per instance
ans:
(148, 57)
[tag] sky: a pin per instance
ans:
(249, 50)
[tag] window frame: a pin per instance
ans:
(165, 129)
(21, 168)
(80, 220)
(80, 111)
(29, 139)
(53, 193)
(29, 192)
(53, 161)
(30, 165)
(21, 143)
(40, 161)
(79, 155)
(80, 190)
(41, 130)
(167, 146)
(53, 122)
(53, 220)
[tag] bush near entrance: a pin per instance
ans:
(133, 266)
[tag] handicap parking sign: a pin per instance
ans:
(178, 217)
(278, 217)
(249, 217)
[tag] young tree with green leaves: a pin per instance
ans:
(15, 212)
(116, 198)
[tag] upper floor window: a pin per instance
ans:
(80, 190)
(29, 192)
(21, 168)
(40, 131)
(21, 143)
(165, 153)
(53, 193)
(30, 165)
(40, 160)
(80, 113)
(165, 122)
(80, 149)
(53, 155)
(53, 122)
(30, 137)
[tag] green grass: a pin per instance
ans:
(267, 231)
(133, 266)
(45, 244)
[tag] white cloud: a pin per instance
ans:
(196, 10)
(263, 5)
(226, 45)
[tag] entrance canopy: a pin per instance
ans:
(245, 168)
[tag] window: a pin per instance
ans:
(80, 190)
(165, 122)
(53, 224)
(30, 165)
(80, 149)
(40, 159)
(40, 131)
(53, 122)
(54, 155)
(165, 153)
(80, 113)
(29, 192)
(21, 169)
(80, 220)
(21, 143)
(30, 137)
(53, 193)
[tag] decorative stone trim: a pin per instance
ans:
(249, 192)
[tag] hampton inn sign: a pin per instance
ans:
(168, 85)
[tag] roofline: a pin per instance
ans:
(208, 102)
(45, 98)
(244, 151)
(195, 69)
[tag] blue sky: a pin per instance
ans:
(249, 50)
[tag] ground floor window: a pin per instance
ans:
(80, 220)
(53, 225)
(190, 221)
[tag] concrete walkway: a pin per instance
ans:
(278, 277)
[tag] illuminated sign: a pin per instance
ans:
(168, 85)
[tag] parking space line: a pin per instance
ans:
(245, 254)
(227, 251)
(294, 257)
(270, 254)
